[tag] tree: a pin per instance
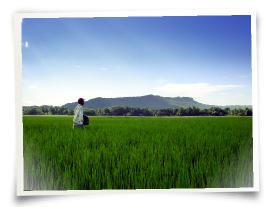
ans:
(107, 112)
(119, 111)
(165, 112)
(70, 112)
(248, 112)
(35, 111)
(89, 112)
(129, 111)
(45, 109)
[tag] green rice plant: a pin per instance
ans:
(137, 153)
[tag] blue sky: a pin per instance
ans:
(205, 57)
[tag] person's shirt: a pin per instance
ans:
(78, 114)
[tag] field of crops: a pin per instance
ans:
(137, 153)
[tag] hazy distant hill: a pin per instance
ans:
(148, 101)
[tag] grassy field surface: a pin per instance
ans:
(137, 153)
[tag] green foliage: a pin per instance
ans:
(33, 110)
(46, 110)
(137, 152)
(89, 112)
(128, 111)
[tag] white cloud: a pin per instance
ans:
(203, 92)
(194, 88)
(26, 44)
(59, 91)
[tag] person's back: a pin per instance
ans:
(78, 114)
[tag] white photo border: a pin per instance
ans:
(17, 26)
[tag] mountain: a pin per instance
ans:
(148, 101)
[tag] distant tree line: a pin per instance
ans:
(46, 110)
(130, 111)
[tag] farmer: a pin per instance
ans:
(78, 114)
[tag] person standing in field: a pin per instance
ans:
(78, 114)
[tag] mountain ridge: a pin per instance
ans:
(148, 101)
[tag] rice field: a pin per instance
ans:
(137, 153)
